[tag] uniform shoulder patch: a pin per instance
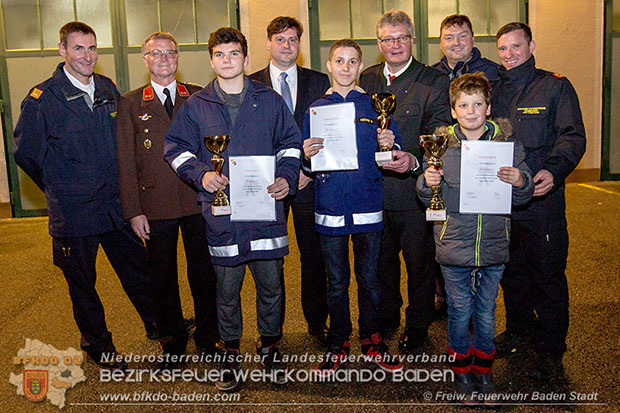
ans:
(36, 93)
(559, 76)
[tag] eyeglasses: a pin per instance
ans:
(157, 54)
(391, 40)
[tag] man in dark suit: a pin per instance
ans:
(157, 203)
(422, 104)
(299, 87)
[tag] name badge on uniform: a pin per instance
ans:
(535, 110)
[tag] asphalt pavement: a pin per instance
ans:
(35, 305)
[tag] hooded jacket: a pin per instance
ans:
(476, 63)
(473, 240)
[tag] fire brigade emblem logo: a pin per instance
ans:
(35, 384)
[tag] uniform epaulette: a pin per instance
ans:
(36, 93)
(193, 84)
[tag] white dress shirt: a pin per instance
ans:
(291, 72)
(159, 91)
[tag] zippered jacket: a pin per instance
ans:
(264, 126)
(544, 110)
(67, 146)
(350, 202)
(473, 240)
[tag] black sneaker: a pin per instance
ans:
(211, 349)
(412, 339)
(319, 333)
(189, 324)
(440, 311)
(229, 374)
(111, 360)
(152, 331)
(546, 368)
(334, 359)
(377, 352)
(509, 343)
(271, 359)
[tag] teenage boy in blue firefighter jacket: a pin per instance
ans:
(350, 203)
(259, 123)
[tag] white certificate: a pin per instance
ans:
(481, 190)
(249, 178)
(336, 125)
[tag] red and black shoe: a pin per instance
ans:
(334, 359)
(377, 352)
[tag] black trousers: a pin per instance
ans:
(162, 259)
(313, 274)
(407, 232)
(77, 257)
(535, 286)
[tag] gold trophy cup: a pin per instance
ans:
(217, 145)
(384, 104)
(435, 145)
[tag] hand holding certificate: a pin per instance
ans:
(249, 178)
(482, 191)
(335, 125)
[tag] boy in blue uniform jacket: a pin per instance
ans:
(259, 123)
(350, 203)
(473, 248)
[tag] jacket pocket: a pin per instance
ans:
(410, 109)
(532, 131)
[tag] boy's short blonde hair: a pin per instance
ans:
(345, 43)
(470, 84)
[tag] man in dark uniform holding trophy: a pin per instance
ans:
(422, 104)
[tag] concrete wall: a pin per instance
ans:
(569, 41)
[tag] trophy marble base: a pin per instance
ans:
(218, 211)
(381, 158)
(435, 214)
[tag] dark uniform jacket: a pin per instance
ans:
(148, 185)
(476, 63)
(311, 85)
(264, 126)
(544, 110)
(422, 104)
(69, 152)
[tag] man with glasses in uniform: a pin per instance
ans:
(158, 203)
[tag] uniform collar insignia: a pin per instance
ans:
(148, 94)
(182, 90)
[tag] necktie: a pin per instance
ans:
(168, 103)
(391, 79)
(286, 91)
